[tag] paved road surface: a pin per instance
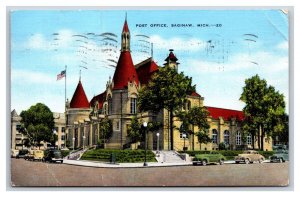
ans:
(27, 173)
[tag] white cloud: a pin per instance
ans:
(37, 41)
(190, 44)
(22, 76)
(59, 40)
(283, 45)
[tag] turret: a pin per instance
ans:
(125, 39)
(171, 60)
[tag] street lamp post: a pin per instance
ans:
(145, 128)
(73, 143)
(184, 136)
(83, 141)
(157, 134)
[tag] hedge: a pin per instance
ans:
(121, 156)
(65, 152)
(229, 154)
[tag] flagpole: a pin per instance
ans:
(65, 88)
(66, 117)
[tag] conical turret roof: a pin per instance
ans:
(79, 99)
(125, 71)
(125, 26)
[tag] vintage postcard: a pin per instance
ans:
(149, 97)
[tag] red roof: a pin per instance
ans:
(125, 27)
(79, 99)
(225, 113)
(171, 57)
(145, 71)
(100, 98)
(124, 72)
(195, 94)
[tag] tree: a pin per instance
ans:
(37, 124)
(282, 137)
(105, 129)
(196, 116)
(134, 131)
(167, 89)
(264, 108)
(203, 138)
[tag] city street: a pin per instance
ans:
(27, 173)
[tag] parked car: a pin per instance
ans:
(280, 156)
(211, 157)
(34, 155)
(53, 156)
(29, 155)
(21, 154)
(249, 156)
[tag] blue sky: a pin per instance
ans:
(218, 58)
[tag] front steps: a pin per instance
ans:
(169, 157)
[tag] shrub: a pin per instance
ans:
(222, 146)
(121, 156)
(65, 152)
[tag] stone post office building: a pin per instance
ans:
(118, 102)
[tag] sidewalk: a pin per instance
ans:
(99, 164)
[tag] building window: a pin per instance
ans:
(118, 125)
(226, 137)
(133, 105)
(63, 137)
(105, 109)
(238, 138)
(249, 139)
(63, 129)
(109, 105)
(18, 127)
(184, 135)
(214, 136)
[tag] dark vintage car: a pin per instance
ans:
(211, 157)
(53, 156)
(22, 154)
(280, 156)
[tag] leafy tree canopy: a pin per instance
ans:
(38, 123)
(106, 128)
(265, 108)
(167, 89)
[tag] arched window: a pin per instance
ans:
(214, 136)
(109, 104)
(249, 139)
(238, 138)
(226, 137)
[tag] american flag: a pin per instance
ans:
(61, 75)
